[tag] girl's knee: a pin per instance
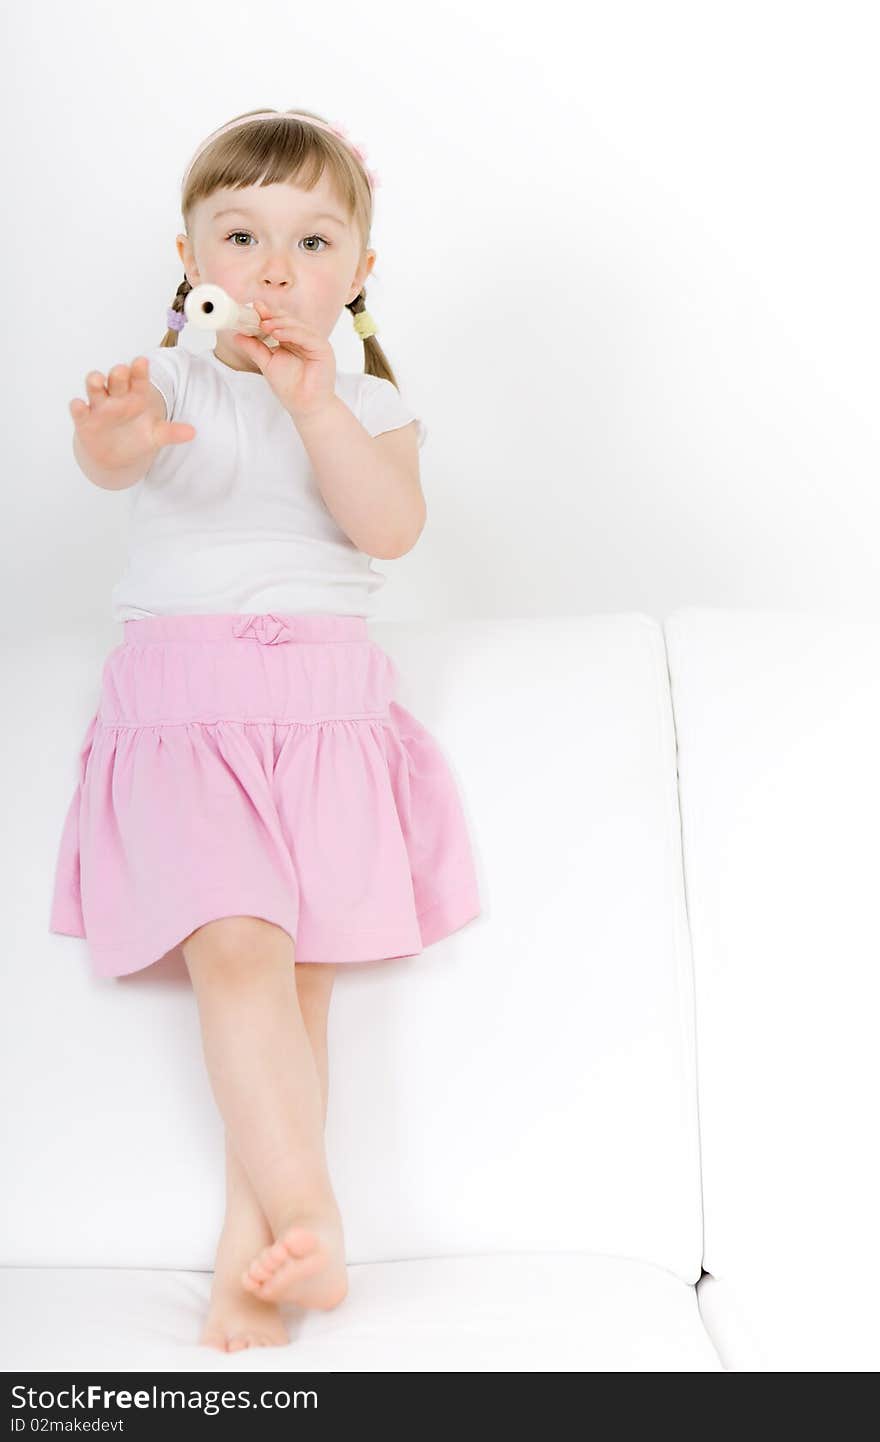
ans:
(234, 944)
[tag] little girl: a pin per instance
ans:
(249, 792)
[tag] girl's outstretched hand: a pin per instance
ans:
(301, 371)
(119, 426)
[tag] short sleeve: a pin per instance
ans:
(383, 408)
(166, 367)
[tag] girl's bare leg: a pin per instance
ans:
(267, 1085)
(237, 1319)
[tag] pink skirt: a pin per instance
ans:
(258, 766)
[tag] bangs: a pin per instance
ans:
(273, 153)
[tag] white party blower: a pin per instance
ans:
(210, 307)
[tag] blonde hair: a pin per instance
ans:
(284, 151)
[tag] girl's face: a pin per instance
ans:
(292, 248)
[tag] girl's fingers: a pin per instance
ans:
(95, 388)
(120, 379)
(248, 345)
(294, 334)
(140, 370)
(117, 380)
(288, 323)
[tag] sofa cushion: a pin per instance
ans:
(525, 1313)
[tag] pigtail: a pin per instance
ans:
(176, 308)
(376, 362)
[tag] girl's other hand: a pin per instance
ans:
(301, 370)
(123, 422)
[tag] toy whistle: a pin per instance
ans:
(210, 307)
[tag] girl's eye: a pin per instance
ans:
(234, 233)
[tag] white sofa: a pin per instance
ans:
(623, 1121)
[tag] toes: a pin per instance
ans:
(270, 1290)
(294, 1270)
(296, 1245)
(297, 1255)
(298, 1242)
(241, 1340)
(268, 1258)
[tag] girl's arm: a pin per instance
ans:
(370, 484)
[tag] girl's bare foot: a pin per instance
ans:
(306, 1265)
(236, 1318)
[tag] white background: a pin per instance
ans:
(626, 273)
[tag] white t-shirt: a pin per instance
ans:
(233, 521)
